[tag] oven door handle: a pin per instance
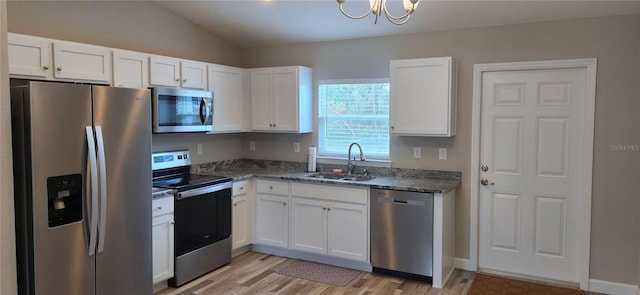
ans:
(202, 191)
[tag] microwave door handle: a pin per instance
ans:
(203, 104)
(208, 110)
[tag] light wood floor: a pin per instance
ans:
(251, 273)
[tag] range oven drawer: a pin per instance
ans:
(202, 220)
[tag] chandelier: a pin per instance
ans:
(379, 6)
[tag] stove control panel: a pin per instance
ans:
(170, 159)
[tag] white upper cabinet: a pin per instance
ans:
(130, 69)
(281, 99)
(173, 72)
(29, 56)
(76, 61)
(423, 97)
(194, 75)
(34, 57)
(164, 71)
(228, 87)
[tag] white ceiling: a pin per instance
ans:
(257, 23)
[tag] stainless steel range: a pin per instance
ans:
(202, 215)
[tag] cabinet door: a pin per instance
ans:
(228, 100)
(285, 99)
(29, 56)
(272, 220)
(261, 102)
(194, 75)
(81, 62)
(240, 221)
(162, 236)
(308, 225)
(347, 231)
(164, 71)
(130, 69)
(422, 97)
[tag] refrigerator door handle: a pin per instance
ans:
(93, 223)
(103, 189)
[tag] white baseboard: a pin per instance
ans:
(613, 288)
(463, 263)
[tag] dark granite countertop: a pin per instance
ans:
(405, 180)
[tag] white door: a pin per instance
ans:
(272, 220)
(308, 225)
(531, 193)
(285, 99)
(347, 231)
(261, 100)
(239, 222)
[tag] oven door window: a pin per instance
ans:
(202, 220)
(184, 110)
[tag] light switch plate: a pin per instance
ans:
(199, 149)
(296, 147)
(252, 145)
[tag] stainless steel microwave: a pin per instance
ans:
(182, 110)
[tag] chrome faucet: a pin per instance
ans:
(350, 166)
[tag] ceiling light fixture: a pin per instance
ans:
(378, 6)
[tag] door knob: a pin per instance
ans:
(486, 182)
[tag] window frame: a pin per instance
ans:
(342, 156)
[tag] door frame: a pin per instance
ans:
(585, 212)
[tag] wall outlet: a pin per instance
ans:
(442, 154)
(199, 149)
(296, 147)
(252, 145)
(417, 152)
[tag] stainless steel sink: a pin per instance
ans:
(341, 176)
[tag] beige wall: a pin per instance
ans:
(216, 147)
(7, 237)
(141, 26)
(615, 41)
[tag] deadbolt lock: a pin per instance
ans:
(484, 168)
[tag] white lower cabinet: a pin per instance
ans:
(329, 220)
(162, 235)
(241, 214)
(272, 213)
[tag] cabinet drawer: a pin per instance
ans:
(239, 188)
(162, 206)
(330, 192)
(273, 187)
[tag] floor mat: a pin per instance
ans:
(488, 284)
(323, 273)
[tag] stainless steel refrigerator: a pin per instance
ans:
(82, 169)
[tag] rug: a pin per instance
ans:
(322, 273)
(487, 284)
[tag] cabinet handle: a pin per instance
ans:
(270, 187)
(324, 209)
(392, 127)
(177, 80)
(274, 125)
(328, 209)
(45, 67)
(185, 80)
(235, 204)
(242, 188)
(284, 203)
(159, 208)
(59, 68)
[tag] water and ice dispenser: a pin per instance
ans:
(64, 196)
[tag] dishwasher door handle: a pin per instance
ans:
(401, 202)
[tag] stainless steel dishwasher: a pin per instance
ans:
(402, 233)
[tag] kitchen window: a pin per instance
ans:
(353, 111)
